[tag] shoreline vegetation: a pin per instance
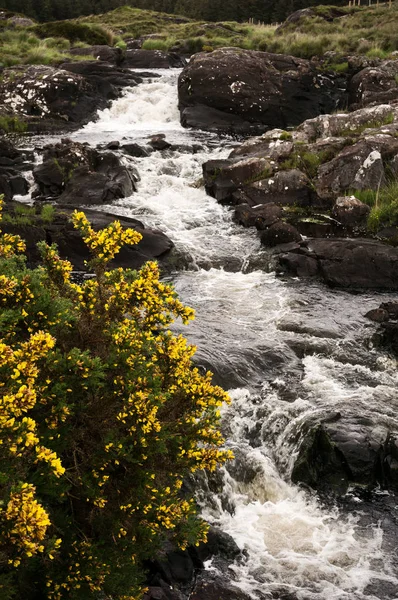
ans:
(366, 31)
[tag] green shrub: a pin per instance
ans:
(91, 34)
(12, 124)
(102, 415)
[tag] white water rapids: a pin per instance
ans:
(288, 351)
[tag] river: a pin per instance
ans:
(289, 352)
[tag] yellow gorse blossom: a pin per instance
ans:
(102, 415)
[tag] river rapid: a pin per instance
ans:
(289, 352)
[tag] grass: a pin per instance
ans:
(12, 124)
(307, 161)
(373, 124)
(24, 214)
(383, 203)
(23, 47)
(370, 31)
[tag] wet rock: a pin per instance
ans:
(348, 263)
(86, 187)
(115, 145)
(348, 210)
(261, 216)
(378, 315)
(207, 588)
(159, 142)
(76, 174)
(112, 55)
(61, 98)
(343, 450)
(108, 79)
(219, 544)
(152, 59)
(135, 150)
(154, 245)
(259, 88)
(280, 233)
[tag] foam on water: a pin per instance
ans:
(248, 329)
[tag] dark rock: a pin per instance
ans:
(280, 233)
(154, 245)
(360, 166)
(261, 216)
(346, 450)
(263, 89)
(134, 150)
(286, 188)
(86, 187)
(209, 118)
(152, 59)
(106, 78)
(348, 263)
(115, 145)
(158, 142)
(61, 98)
(12, 183)
(78, 174)
(391, 308)
(216, 589)
(374, 85)
(348, 210)
(378, 315)
(219, 544)
(112, 55)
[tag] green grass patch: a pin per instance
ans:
(47, 213)
(373, 124)
(90, 33)
(384, 205)
(12, 124)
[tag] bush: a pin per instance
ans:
(91, 34)
(101, 415)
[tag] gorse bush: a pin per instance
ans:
(101, 416)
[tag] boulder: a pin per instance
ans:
(134, 150)
(159, 142)
(346, 263)
(374, 85)
(261, 89)
(359, 166)
(279, 233)
(350, 211)
(112, 55)
(86, 187)
(61, 98)
(260, 216)
(152, 59)
(345, 124)
(75, 173)
(345, 450)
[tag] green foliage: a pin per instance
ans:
(285, 136)
(75, 32)
(102, 415)
(47, 213)
(12, 124)
(372, 124)
(307, 161)
(384, 203)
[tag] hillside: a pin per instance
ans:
(267, 11)
(369, 31)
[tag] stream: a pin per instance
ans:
(290, 352)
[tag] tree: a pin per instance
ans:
(102, 415)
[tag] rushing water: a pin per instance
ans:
(288, 351)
